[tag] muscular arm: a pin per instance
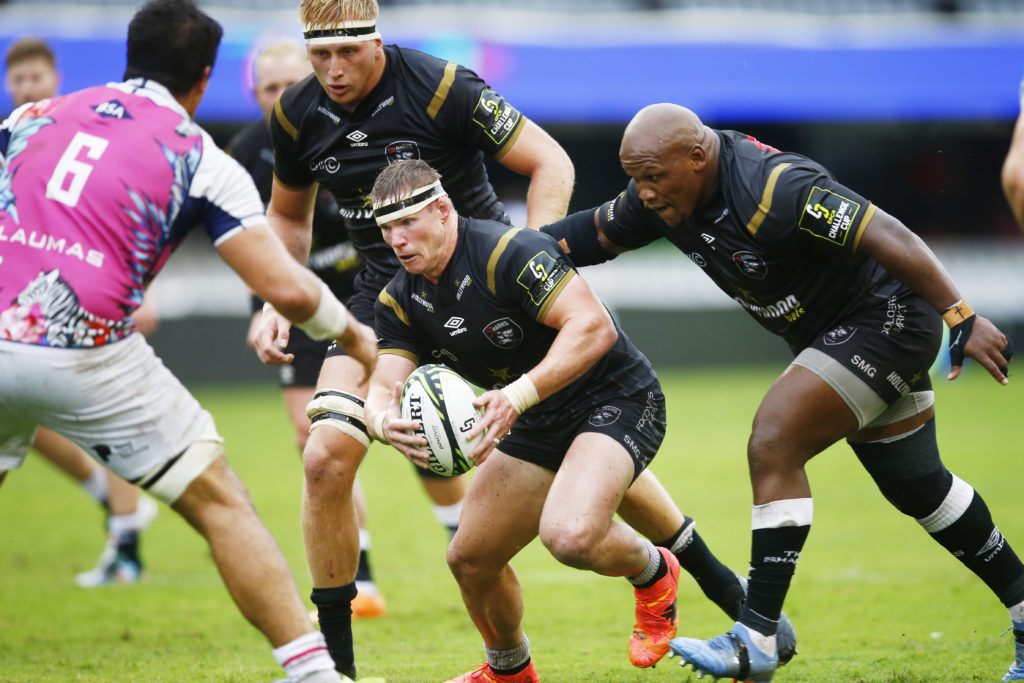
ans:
(909, 259)
(585, 333)
(537, 155)
(290, 214)
(385, 391)
(1013, 173)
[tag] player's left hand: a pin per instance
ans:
(977, 338)
(499, 416)
(272, 338)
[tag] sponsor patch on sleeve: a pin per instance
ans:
(540, 276)
(496, 116)
(829, 216)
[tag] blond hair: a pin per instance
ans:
(334, 13)
(401, 178)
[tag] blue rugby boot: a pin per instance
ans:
(732, 655)
(1016, 672)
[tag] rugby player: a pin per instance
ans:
(579, 416)
(96, 189)
(334, 260)
(859, 299)
(32, 76)
(367, 105)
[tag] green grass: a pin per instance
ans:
(874, 599)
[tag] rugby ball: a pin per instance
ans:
(442, 402)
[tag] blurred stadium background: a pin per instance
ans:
(911, 102)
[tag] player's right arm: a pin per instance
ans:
(295, 292)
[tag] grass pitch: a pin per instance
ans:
(874, 599)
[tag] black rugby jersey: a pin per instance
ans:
(332, 256)
(482, 318)
(778, 236)
(422, 108)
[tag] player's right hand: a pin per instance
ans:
(272, 338)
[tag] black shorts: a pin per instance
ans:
(637, 422)
(360, 305)
(890, 346)
(309, 356)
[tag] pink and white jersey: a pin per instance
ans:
(97, 188)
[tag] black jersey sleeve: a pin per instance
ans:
(284, 132)
(625, 221)
(803, 205)
(529, 268)
(477, 116)
(392, 324)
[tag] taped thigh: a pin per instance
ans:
(169, 480)
(341, 410)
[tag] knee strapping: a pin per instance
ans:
(908, 471)
(340, 410)
(169, 480)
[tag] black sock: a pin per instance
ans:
(334, 607)
(128, 546)
(979, 545)
(719, 583)
(363, 572)
(773, 556)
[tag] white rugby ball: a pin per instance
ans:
(442, 402)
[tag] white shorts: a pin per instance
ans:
(118, 402)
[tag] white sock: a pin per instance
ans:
(653, 562)
(96, 485)
(364, 539)
(448, 515)
(1017, 613)
(119, 526)
(304, 655)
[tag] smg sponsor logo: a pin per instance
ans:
(631, 445)
(863, 365)
(788, 308)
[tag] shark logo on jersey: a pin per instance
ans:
(504, 333)
(112, 109)
(401, 150)
(750, 264)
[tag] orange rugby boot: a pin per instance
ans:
(656, 618)
(485, 675)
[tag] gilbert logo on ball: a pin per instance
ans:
(442, 402)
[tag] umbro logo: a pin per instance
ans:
(455, 325)
(708, 239)
(356, 136)
(722, 217)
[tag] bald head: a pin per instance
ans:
(661, 128)
(673, 159)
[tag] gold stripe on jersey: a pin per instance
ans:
(511, 138)
(283, 120)
(869, 213)
(442, 90)
(400, 352)
(553, 294)
(492, 262)
(390, 302)
(766, 198)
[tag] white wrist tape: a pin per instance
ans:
(267, 307)
(378, 427)
(330, 319)
(521, 394)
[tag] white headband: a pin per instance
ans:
(407, 203)
(354, 31)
